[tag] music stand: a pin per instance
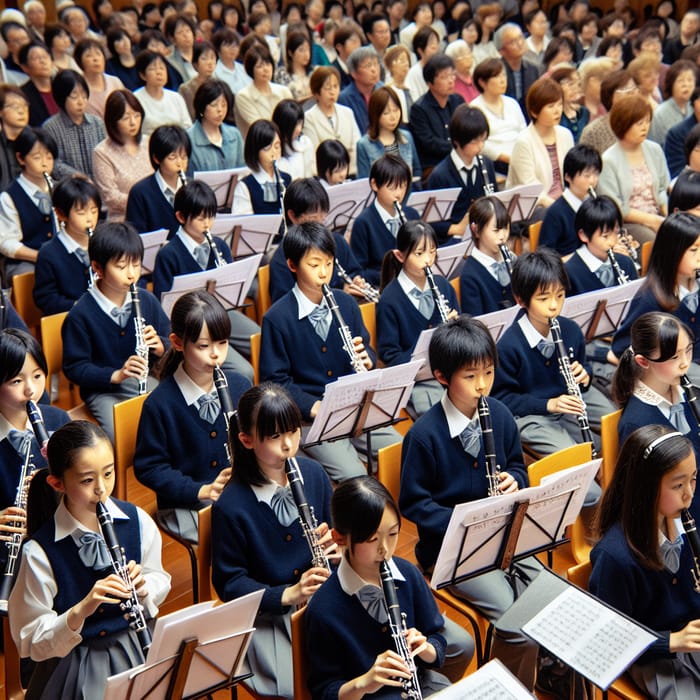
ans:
(434, 205)
(520, 201)
(499, 321)
(346, 201)
(450, 258)
(153, 241)
(223, 182)
(247, 235)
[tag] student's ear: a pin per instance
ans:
(440, 377)
(246, 440)
(97, 269)
(180, 218)
(582, 236)
(291, 216)
(520, 302)
(399, 255)
(373, 185)
(55, 483)
(292, 266)
(177, 342)
(340, 540)
(642, 361)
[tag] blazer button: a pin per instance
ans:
(329, 373)
(122, 333)
(49, 234)
(547, 363)
(296, 572)
(288, 537)
(385, 629)
(324, 348)
(212, 434)
(430, 325)
(103, 633)
(476, 464)
(214, 463)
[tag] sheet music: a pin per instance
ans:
(434, 205)
(153, 241)
(346, 201)
(524, 200)
(256, 232)
(493, 681)
(450, 258)
(499, 321)
(592, 638)
(221, 182)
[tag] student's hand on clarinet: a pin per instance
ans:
(137, 578)
(507, 483)
(307, 585)
(134, 367)
(419, 646)
(152, 339)
(325, 539)
(579, 372)
(110, 590)
(388, 669)
(356, 287)
(361, 352)
(565, 404)
(12, 520)
(687, 639)
(211, 492)
(453, 314)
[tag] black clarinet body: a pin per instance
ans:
(492, 469)
(227, 409)
(691, 534)
(691, 395)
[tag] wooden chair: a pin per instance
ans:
(369, 318)
(568, 457)
(300, 660)
(458, 291)
(255, 341)
(126, 422)
(645, 255)
(13, 682)
(610, 446)
(534, 234)
(23, 300)
(204, 554)
(389, 469)
(264, 300)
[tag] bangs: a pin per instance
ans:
(276, 413)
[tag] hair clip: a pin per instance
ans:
(655, 443)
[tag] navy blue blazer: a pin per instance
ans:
(480, 291)
(148, 209)
(9, 318)
(351, 97)
(582, 280)
(37, 228)
(60, 278)
(430, 126)
(674, 149)
(38, 112)
(559, 228)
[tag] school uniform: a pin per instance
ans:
(664, 601)
(9, 318)
(344, 638)
(260, 195)
(526, 380)
(95, 345)
(177, 450)
(400, 322)
(148, 207)
(294, 355)
(372, 237)
(436, 475)
(481, 289)
(61, 276)
(282, 278)
(584, 271)
(252, 549)
(52, 578)
(559, 224)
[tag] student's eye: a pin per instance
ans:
(108, 474)
(86, 481)
(373, 538)
(15, 381)
(488, 372)
(274, 436)
(38, 375)
(203, 346)
(394, 534)
(470, 377)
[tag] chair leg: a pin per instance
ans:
(191, 550)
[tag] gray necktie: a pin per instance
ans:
(470, 438)
(546, 347)
(677, 418)
(426, 303)
(320, 319)
(209, 407)
(93, 551)
(43, 202)
(19, 439)
(372, 599)
(606, 275)
(170, 196)
(394, 225)
(122, 314)
(83, 256)
(283, 506)
(690, 301)
(201, 254)
(270, 192)
(501, 271)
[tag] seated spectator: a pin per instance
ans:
(295, 73)
(679, 84)
(122, 62)
(520, 73)
(204, 62)
(426, 43)
(14, 117)
(461, 54)
(36, 63)
(58, 42)
(574, 114)
(347, 38)
(228, 45)
(592, 73)
(91, 58)
(397, 61)
(675, 146)
(180, 30)
(646, 69)
(297, 150)
(363, 65)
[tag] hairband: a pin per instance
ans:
(655, 443)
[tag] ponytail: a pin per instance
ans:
(626, 374)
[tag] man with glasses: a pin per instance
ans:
(363, 65)
(510, 42)
(14, 116)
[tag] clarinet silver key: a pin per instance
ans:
(141, 347)
(345, 335)
(442, 304)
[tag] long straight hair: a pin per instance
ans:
(408, 239)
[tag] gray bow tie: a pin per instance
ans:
(546, 347)
(671, 554)
(320, 319)
(93, 551)
(691, 301)
(169, 195)
(502, 274)
(606, 275)
(20, 439)
(83, 256)
(372, 599)
(122, 314)
(270, 192)
(470, 438)
(394, 226)
(283, 506)
(43, 202)
(201, 254)
(678, 419)
(426, 303)
(209, 407)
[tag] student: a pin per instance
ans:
(302, 350)
(598, 222)
(63, 266)
(407, 305)
(348, 635)
(374, 230)
(255, 501)
(297, 159)
(262, 191)
(582, 166)
(189, 252)
(437, 475)
(99, 337)
(181, 447)
(306, 200)
(64, 608)
(670, 283)
(485, 278)
(332, 162)
(464, 167)
(26, 218)
(643, 567)
(528, 379)
(151, 200)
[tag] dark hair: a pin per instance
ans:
(436, 64)
(147, 37)
(210, 90)
(693, 138)
(200, 48)
(390, 170)
(305, 195)
(189, 314)
(607, 43)
(377, 104)
(672, 74)
(357, 508)
(486, 70)
(83, 46)
(677, 233)
(295, 39)
(51, 31)
(165, 140)
(302, 238)
(650, 333)
(598, 214)
(542, 92)
(115, 108)
(23, 53)
(114, 240)
(632, 498)
(461, 342)
(408, 237)
(226, 35)
(263, 410)
(194, 199)
(579, 158)
(6, 90)
(146, 58)
(331, 155)
(467, 123)
(6, 27)
(287, 114)
(171, 22)
(64, 83)
(482, 211)
(538, 269)
(30, 136)
(421, 39)
(75, 190)
(685, 194)
(319, 77)
(555, 46)
(260, 135)
(255, 54)
(15, 345)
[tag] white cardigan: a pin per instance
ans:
(318, 128)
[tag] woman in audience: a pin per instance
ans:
(90, 56)
(537, 26)
(575, 115)
(180, 30)
(461, 54)
(488, 17)
(645, 70)
(679, 84)
(122, 62)
(295, 73)
(58, 42)
(204, 62)
(297, 150)
(592, 73)
(397, 61)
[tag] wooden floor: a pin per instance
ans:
(176, 562)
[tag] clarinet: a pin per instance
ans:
(15, 542)
(345, 335)
(90, 233)
(368, 291)
(220, 262)
(49, 182)
(280, 186)
(132, 606)
(399, 212)
(182, 177)
(691, 395)
(694, 541)
(141, 347)
(227, 409)
(489, 189)
(572, 387)
(3, 310)
(397, 624)
(38, 426)
(307, 519)
(620, 275)
(506, 257)
(492, 469)
(440, 301)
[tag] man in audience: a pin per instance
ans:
(37, 64)
(363, 65)
(675, 137)
(510, 42)
(15, 37)
(347, 39)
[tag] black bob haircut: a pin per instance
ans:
(537, 270)
(305, 237)
(194, 199)
(113, 241)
